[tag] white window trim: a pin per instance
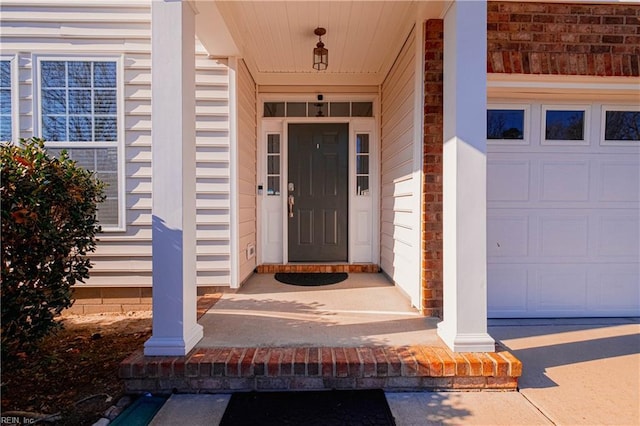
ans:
(526, 134)
(603, 119)
(15, 99)
(586, 131)
(120, 140)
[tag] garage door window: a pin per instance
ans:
(565, 125)
(621, 127)
(506, 124)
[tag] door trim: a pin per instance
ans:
(276, 252)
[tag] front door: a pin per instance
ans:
(318, 192)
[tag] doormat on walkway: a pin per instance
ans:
(311, 278)
(362, 407)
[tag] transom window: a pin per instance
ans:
(318, 109)
(79, 113)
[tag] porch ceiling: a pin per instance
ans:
(276, 38)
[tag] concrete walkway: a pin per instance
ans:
(575, 372)
(578, 371)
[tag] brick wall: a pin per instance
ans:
(565, 39)
(432, 170)
(94, 300)
(522, 38)
(98, 300)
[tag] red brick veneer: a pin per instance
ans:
(314, 267)
(432, 170)
(306, 368)
(565, 39)
(522, 38)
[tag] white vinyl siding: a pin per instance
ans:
(123, 29)
(212, 172)
(247, 183)
(36, 30)
(400, 197)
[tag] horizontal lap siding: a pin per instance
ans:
(124, 258)
(247, 136)
(399, 242)
(212, 172)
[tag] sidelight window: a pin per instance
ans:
(273, 164)
(362, 164)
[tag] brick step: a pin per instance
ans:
(319, 267)
(221, 370)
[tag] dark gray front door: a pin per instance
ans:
(318, 172)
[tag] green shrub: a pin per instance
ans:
(48, 226)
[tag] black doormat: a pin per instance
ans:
(326, 408)
(311, 278)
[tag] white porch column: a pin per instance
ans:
(464, 328)
(175, 330)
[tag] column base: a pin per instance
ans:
(465, 342)
(173, 346)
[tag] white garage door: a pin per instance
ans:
(563, 210)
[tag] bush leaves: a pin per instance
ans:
(49, 225)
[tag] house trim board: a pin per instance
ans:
(234, 173)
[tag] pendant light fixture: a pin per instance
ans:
(320, 54)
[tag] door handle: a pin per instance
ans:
(291, 201)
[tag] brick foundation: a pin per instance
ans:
(222, 370)
(353, 268)
(97, 300)
(94, 300)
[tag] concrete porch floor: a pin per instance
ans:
(364, 310)
(361, 333)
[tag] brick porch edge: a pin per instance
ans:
(219, 370)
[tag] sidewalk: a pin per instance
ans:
(576, 371)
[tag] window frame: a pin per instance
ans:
(15, 99)
(119, 143)
(357, 155)
(279, 156)
(603, 124)
(586, 130)
(526, 123)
